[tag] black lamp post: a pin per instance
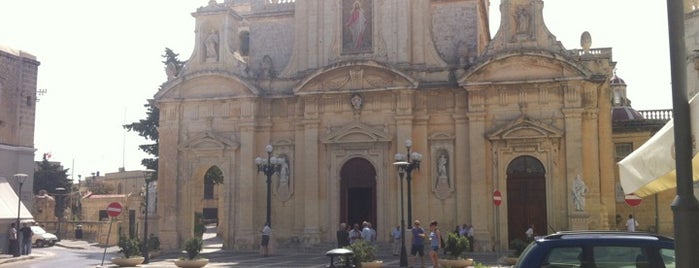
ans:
(403, 254)
(20, 177)
(269, 167)
(409, 162)
(59, 209)
(148, 176)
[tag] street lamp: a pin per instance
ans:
(410, 162)
(400, 165)
(271, 166)
(148, 176)
(20, 178)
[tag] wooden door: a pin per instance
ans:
(526, 197)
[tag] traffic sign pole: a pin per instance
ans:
(497, 200)
(113, 210)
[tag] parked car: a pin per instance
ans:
(41, 238)
(599, 249)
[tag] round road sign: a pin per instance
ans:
(114, 209)
(632, 200)
(497, 198)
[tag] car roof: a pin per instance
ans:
(575, 237)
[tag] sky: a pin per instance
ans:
(101, 61)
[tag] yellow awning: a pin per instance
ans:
(651, 168)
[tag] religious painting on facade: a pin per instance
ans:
(357, 25)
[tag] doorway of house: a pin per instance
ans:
(526, 197)
(358, 192)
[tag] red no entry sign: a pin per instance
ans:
(497, 198)
(114, 209)
(632, 200)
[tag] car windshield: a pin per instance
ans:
(38, 230)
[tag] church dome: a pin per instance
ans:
(616, 81)
(625, 113)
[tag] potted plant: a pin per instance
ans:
(518, 245)
(131, 250)
(192, 246)
(364, 254)
(153, 245)
(455, 246)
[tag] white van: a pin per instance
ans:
(41, 238)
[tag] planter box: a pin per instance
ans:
(197, 263)
(459, 263)
(372, 264)
(127, 262)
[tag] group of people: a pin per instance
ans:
(24, 235)
(347, 235)
(466, 230)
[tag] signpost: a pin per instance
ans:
(497, 200)
(113, 210)
(633, 201)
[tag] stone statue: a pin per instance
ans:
(579, 191)
(522, 21)
(356, 101)
(211, 44)
(442, 166)
(284, 174)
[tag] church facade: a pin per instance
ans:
(338, 87)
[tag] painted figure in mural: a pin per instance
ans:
(357, 24)
(211, 43)
(522, 21)
(579, 191)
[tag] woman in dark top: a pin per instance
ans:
(342, 236)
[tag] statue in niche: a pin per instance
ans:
(579, 191)
(284, 186)
(523, 21)
(442, 186)
(211, 44)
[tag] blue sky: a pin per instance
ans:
(100, 61)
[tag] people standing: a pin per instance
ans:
(631, 224)
(27, 233)
(530, 233)
(366, 232)
(395, 238)
(435, 236)
(469, 235)
(342, 236)
(418, 245)
(12, 236)
(266, 232)
(355, 234)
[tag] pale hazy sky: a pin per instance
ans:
(101, 60)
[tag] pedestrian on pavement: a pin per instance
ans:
(266, 232)
(342, 236)
(395, 239)
(12, 236)
(355, 234)
(435, 243)
(631, 224)
(469, 235)
(530, 233)
(366, 232)
(418, 246)
(27, 234)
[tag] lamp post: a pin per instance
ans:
(19, 177)
(401, 172)
(269, 167)
(410, 162)
(59, 208)
(148, 176)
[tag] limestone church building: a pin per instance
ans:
(338, 86)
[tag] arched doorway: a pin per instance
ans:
(358, 192)
(526, 197)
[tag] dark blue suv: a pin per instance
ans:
(599, 249)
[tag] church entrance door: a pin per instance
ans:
(358, 192)
(526, 197)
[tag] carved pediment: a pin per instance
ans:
(524, 67)
(207, 85)
(352, 76)
(208, 141)
(356, 132)
(525, 128)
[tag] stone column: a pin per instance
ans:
(573, 156)
(480, 198)
(245, 227)
(168, 188)
(311, 186)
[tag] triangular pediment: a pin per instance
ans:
(354, 77)
(356, 132)
(525, 128)
(523, 68)
(208, 141)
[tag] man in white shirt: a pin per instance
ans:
(366, 232)
(395, 238)
(631, 224)
(266, 232)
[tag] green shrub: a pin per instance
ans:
(363, 252)
(456, 245)
(518, 246)
(129, 246)
(153, 242)
(193, 246)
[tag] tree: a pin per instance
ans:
(148, 128)
(49, 176)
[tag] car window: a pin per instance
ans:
(37, 230)
(563, 257)
(668, 256)
(619, 257)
